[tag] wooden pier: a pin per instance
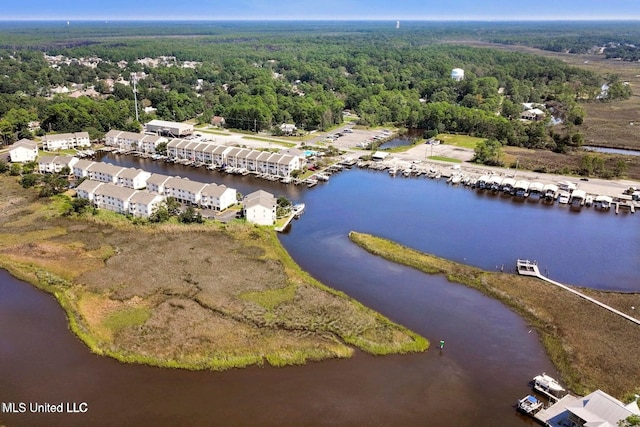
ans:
(528, 268)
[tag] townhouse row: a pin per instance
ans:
(208, 153)
(122, 200)
(234, 157)
(133, 141)
(119, 190)
(209, 196)
(65, 141)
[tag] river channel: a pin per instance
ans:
(490, 354)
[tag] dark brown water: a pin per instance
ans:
(490, 354)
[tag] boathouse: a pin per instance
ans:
(595, 409)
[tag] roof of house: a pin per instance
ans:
(24, 143)
(265, 202)
(261, 197)
(58, 136)
(153, 139)
(131, 173)
(89, 186)
(233, 151)
(115, 191)
(220, 149)
(105, 168)
(210, 148)
(157, 179)
(185, 184)
(83, 164)
(264, 156)
(113, 133)
(214, 190)
(145, 198)
(253, 155)
(175, 142)
(600, 409)
(285, 159)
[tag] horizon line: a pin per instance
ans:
(185, 19)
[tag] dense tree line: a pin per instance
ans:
(260, 77)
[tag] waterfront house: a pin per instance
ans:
(172, 148)
(81, 168)
(143, 204)
(156, 182)
(133, 178)
(184, 190)
(218, 155)
(262, 161)
(259, 208)
(104, 172)
(87, 189)
(113, 197)
(252, 160)
(149, 143)
(595, 409)
(287, 164)
(23, 151)
(218, 197)
(65, 141)
(133, 141)
(55, 164)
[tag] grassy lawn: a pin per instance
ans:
(403, 148)
(464, 141)
(274, 141)
(445, 159)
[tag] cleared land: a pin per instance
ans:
(607, 124)
(591, 347)
(199, 297)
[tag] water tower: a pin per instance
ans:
(457, 74)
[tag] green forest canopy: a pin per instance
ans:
(262, 74)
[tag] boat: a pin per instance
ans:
(298, 210)
(563, 197)
(548, 386)
(529, 405)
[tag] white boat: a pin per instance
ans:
(603, 202)
(563, 197)
(529, 405)
(298, 210)
(548, 386)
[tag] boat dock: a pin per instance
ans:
(553, 415)
(528, 268)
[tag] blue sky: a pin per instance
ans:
(319, 9)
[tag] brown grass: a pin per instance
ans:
(591, 347)
(200, 296)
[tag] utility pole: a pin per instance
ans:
(135, 96)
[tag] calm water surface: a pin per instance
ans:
(490, 354)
